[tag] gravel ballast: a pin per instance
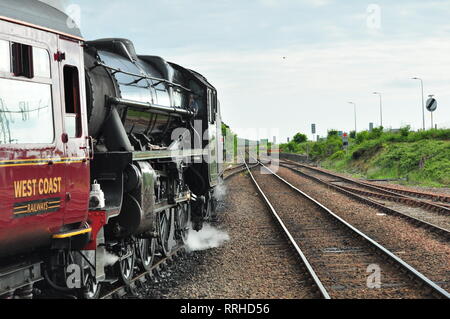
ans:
(257, 262)
(425, 251)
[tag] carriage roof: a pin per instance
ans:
(38, 14)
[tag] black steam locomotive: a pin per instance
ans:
(129, 164)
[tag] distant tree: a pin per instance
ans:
(332, 133)
(404, 131)
(353, 134)
(300, 138)
(376, 133)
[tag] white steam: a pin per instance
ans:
(110, 259)
(208, 237)
(220, 191)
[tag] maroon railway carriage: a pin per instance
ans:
(145, 131)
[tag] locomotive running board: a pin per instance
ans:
(148, 155)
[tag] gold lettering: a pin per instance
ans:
(17, 189)
(50, 186)
(29, 189)
(33, 187)
(23, 188)
(45, 186)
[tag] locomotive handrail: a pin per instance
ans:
(146, 106)
(140, 76)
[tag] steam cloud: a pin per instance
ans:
(220, 191)
(208, 237)
(110, 259)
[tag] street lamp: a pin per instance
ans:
(354, 105)
(381, 108)
(423, 103)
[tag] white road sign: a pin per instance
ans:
(431, 104)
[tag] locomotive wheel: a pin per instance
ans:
(125, 267)
(164, 232)
(147, 248)
(183, 218)
(91, 288)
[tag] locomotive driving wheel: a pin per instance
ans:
(183, 218)
(91, 287)
(125, 266)
(147, 248)
(164, 232)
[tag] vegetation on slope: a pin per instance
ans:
(422, 157)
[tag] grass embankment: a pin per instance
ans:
(423, 158)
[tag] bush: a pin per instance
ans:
(376, 133)
(404, 131)
(362, 136)
(290, 147)
(332, 133)
(442, 134)
(325, 148)
(300, 138)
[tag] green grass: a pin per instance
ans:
(423, 158)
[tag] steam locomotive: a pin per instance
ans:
(107, 157)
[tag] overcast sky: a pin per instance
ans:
(289, 63)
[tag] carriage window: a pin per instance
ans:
(5, 56)
(26, 114)
(22, 55)
(72, 99)
(41, 61)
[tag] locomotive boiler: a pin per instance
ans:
(103, 152)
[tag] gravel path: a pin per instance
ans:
(423, 250)
(256, 263)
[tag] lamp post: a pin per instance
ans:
(381, 108)
(423, 103)
(354, 105)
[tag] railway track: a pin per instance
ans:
(431, 196)
(438, 203)
(434, 219)
(338, 254)
(231, 171)
(316, 284)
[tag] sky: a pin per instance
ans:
(281, 65)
